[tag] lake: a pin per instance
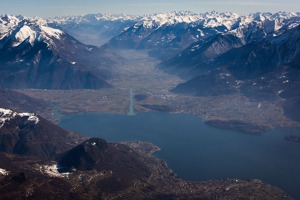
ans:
(196, 151)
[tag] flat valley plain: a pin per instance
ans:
(151, 88)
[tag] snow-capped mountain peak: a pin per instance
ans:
(211, 19)
(7, 22)
(6, 115)
(169, 18)
(36, 33)
(25, 33)
(51, 32)
(21, 29)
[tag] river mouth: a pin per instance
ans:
(196, 151)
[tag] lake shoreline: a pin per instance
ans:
(196, 151)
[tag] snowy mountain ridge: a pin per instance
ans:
(208, 19)
(21, 29)
(92, 18)
(6, 115)
(32, 29)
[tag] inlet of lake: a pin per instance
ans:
(195, 151)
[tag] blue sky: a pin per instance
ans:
(50, 8)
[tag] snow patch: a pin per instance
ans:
(195, 47)
(259, 105)
(5, 112)
(7, 115)
(31, 117)
(281, 91)
(4, 172)
(25, 33)
(293, 25)
(34, 119)
(286, 81)
(52, 170)
(51, 32)
(7, 23)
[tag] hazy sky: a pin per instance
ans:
(50, 8)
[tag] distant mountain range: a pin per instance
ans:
(38, 53)
(216, 53)
(94, 29)
(259, 59)
(167, 34)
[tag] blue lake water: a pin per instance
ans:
(196, 151)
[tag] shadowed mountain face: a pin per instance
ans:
(124, 164)
(239, 49)
(165, 35)
(213, 83)
(21, 103)
(261, 67)
(32, 135)
(266, 66)
(28, 177)
(33, 55)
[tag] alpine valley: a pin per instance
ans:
(239, 74)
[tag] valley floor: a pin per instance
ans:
(151, 87)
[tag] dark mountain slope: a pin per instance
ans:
(253, 29)
(96, 169)
(31, 135)
(166, 34)
(10, 99)
(271, 64)
(199, 56)
(120, 161)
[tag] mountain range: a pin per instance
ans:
(34, 55)
(215, 54)
(94, 29)
(260, 60)
(167, 34)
